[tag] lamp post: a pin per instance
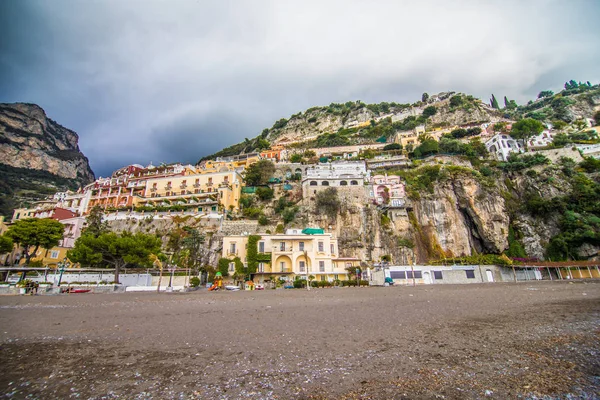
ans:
(61, 268)
(171, 269)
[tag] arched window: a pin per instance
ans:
(313, 183)
(325, 183)
(354, 182)
(343, 183)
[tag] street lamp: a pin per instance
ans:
(61, 268)
(171, 269)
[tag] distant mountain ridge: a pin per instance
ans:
(38, 156)
(350, 123)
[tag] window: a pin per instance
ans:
(470, 274)
(301, 246)
(417, 275)
(398, 274)
(281, 246)
(54, 254)
(438, 275)
(336, 277)
(261, 267)
(344, 183)
(231, 267)
(282, 265)
(321, 246)
(302, 266)
(323, 277)
(313, 183)
(321, 266)
(332, 248)
(325, 183)
(261, 247)
(354, 183)
(232, 248)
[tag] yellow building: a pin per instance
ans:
(205, 191)
(292, 254)
(49, 257)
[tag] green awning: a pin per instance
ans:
(313, 231)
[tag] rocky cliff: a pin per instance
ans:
(37, 156)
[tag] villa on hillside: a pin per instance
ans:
(296, 253)
(502, 145)
(340, 174)
(387, 191)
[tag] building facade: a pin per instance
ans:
(502, 145)
(291, 254)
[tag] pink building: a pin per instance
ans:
(388, 190)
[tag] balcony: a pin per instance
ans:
(182, 186)
(283, 250)
(153, 189)
(197, 185)
(209, 184)
(168, 187)
(232, 252)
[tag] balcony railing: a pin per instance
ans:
(182, 186)
(197, 185)
(168, 187)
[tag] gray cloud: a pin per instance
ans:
(154, 81)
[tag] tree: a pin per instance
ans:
(456, 101)
(392, 146)
(525, 129)
(427, 147)
(425, 97)
(265, 193)
(494, 102)
(560, 140)
(500, 127)
(288, 214)
(259, 173)
(93, 223)
(310, 154)
(327, 202)
(429, 111)
(296, 158)
(115, 250)
(262, 144)
(6, 244)
(545, 93)
(223, 266)
(450, 146)
(36, 233)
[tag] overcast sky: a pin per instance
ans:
(167, 81)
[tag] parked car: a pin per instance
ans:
(258, 286)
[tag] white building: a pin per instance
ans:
(542, 140)
(589, 150)
(501, 145)
(337, 174)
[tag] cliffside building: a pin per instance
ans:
(501, 145)
(340, 174)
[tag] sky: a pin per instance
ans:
(156, 81)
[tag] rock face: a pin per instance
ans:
(29, 139)
(37, 157)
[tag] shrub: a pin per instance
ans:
(327, 202)
(194, 281)
(252, 212)
(265, 193)
(263, 220)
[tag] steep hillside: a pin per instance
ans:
(355, 122)
(37, 156)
